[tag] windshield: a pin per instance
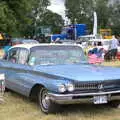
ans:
(50, 55)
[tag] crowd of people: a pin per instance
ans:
(95, 55)
(98, 54)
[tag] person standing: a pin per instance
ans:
(114, 46)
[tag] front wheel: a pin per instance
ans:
(46, 105)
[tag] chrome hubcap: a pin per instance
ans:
(45, 100)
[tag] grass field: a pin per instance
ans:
(112, 63)
(17, 107)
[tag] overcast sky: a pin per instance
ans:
(58, 7)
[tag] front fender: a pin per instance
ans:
(49, 83)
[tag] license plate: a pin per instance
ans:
(100, 99)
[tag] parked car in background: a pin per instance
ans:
(101, 43)
(16, 41)
(56, 74)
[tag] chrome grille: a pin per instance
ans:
(86, 86)
(107, 85)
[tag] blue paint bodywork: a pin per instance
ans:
(22, 78)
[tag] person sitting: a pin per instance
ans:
(100, 53)
(95, 56)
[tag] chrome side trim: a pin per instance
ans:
(83, 94)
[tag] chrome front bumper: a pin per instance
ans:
(82, 97)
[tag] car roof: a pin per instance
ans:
(28, 46)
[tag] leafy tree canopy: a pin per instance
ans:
(53, 20)
(21, 17)
(82, 11)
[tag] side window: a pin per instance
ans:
(13, 55)
(23, 56)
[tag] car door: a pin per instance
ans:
(16, 68)
(8, 66)
(24, 72)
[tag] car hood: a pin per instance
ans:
(81, 72)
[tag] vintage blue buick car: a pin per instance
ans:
(58, 74)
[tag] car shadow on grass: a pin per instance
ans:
(87, 108)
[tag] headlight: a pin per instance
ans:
(62, 88)
(70, 87)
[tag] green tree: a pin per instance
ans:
(7, 18)
(18, 16)
(82, 11)
(103, 13)
(115, 18)
(40, 7)
(53, 20)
